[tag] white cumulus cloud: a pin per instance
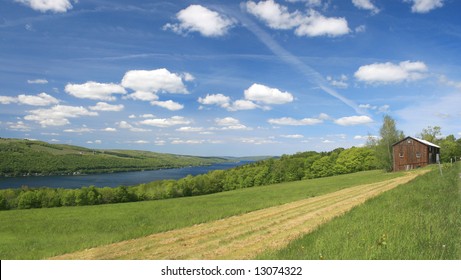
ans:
(424, 6)
(239, 105)
(264, 94)
(215, 99)
(391, 73)
(295, 122)
(310, 24)
(353, 120)
(166, 122)
(169, 105)
(366, 5)
(41, 99)
(94, 90)
(151, 82)
(197, 18)
(57, 6)
(57, 115)
(103, 106)
(230, 123)
(8, 99)
(315, 24)
(37, 81)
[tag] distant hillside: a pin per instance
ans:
(27, 158)
(250, 158)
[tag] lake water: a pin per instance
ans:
(112, 179)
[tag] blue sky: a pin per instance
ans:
(227, 77)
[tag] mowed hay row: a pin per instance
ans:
(243, 236)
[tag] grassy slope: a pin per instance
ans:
(42, 233)
(419, 220)
(23, 156)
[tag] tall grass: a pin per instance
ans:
(42, 233)
(419, 220)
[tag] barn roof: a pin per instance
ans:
(419, 140)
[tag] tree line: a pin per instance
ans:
(306, 165)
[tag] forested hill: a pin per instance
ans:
(26, 157)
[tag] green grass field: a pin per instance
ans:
(419, 220)
(43, 233)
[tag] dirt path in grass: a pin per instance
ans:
(243, 236)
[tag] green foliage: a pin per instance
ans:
(431, 134)
(389, 135)
(288, 168)
(450, 148)
(26, 157)
(418, 220)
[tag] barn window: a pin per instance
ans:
(401, 154)
(409, 141)
(418, 154)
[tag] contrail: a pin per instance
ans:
(312, 75)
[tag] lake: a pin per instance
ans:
(112, 179)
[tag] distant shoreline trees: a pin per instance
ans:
(306, 165)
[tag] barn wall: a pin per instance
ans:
(406, 155)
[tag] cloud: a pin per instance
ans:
(445, 81)
(8, 99)
(169, 105)
(366, 5)
(41, 99)
(103, 106)
(309, 3)
(188, 77)
(379, 109)
(273, 14)
(190, 142)
(256, 96)
(139, 142)
(258, 141)
(317, 25)
(264, 94)
(151, 82)
(79, 130)
(424, 6)
(57, 6)
(110, 129)
(292, 136)
(215, 99)
(353, 120)
(37, 81)
(226, 121)
(94, 90)
(18, 126)
(176, 120)
(239, 105)
(126, 125)
(230, 123)
(190, 129)
(57, 115)
(197, 18)
(311, 24)
(143, 95)
(391, 73)
(295, 122)
(341, 82)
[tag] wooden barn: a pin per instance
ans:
(411, 153)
